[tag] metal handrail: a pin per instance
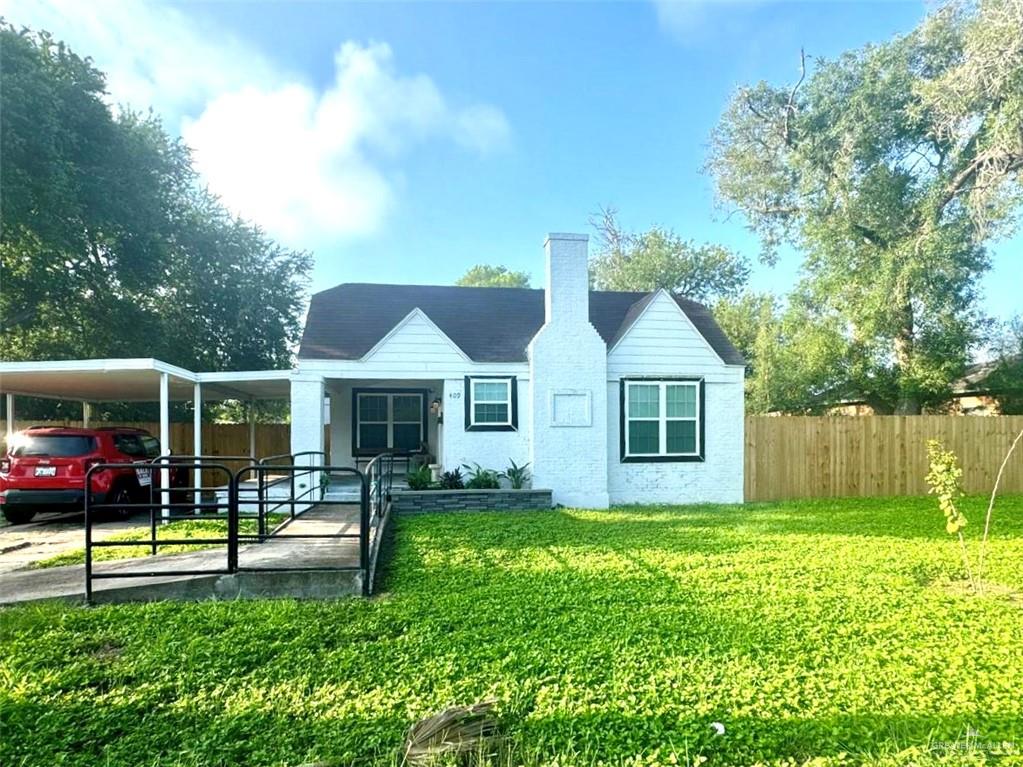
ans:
(262, 484)
(364, 528)
(90, 506)
(383, 470)
(380, 477)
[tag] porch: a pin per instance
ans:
(368, 417)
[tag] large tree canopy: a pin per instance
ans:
(659, 258)
(487, 276)
(110, 246)
(890, 167)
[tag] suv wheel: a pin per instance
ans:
(119, 502)
(19, 516)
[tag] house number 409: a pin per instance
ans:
(454, 395)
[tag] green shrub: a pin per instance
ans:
(518, 476)
(419, 478)
(452, 480)
(480, 478)
(944, 479)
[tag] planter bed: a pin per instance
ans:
(420, 501)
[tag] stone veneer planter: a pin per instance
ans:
(419, 501)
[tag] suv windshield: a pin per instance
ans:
(55, 446)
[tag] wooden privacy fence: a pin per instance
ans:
(217, 438)
(833, 456)
(786, 456)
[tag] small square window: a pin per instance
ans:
(490, 403)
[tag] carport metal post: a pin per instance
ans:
(197, 443)
(165, 447)
(86, 414)
(10, 419)
(252, 428)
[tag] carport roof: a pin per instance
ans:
(135, 380)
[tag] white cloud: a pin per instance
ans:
(308, 165)
(153, 54)
(689, 20)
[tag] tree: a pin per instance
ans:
(659, 258)
(110, 245)
(1006, 378)
(487, 276)
(790, 363)
(890, 167)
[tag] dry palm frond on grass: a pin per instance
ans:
(458, 730)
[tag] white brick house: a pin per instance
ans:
(611, 397)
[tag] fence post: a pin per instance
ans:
(152, 515)
(261, 500)
(364, 535)
(291, 474)
(88, 536)
(232, 523)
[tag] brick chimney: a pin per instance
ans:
(567, 298)
(568, 383)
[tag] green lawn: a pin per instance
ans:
(823, 633)
(182, 529)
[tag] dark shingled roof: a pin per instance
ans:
(488, 324)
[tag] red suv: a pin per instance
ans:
(44, 469)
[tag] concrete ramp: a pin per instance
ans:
(282, 566)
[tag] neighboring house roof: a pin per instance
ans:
(976, 377)
(488, 324)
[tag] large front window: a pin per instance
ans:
(389, 421)
(661, 420)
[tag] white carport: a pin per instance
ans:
(139, 380)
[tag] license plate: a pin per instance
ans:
(145, 477)
(46, 471)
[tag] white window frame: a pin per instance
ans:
(662, 417)
(390, 417)
(507, 401)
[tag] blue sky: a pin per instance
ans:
(406, 142)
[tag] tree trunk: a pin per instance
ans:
(908, 402)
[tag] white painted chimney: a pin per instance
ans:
(567, 296)
(568, 386)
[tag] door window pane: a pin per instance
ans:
(373, 436)
(681, 401)
(407, 437)
(644, 401)
(643, 437)
(407, 407)
(372, 407)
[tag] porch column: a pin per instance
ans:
(86, 414)
(197, 441)
(307, 392)
(10, 419)
(165, 447)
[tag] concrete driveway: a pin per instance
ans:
(49, 534)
